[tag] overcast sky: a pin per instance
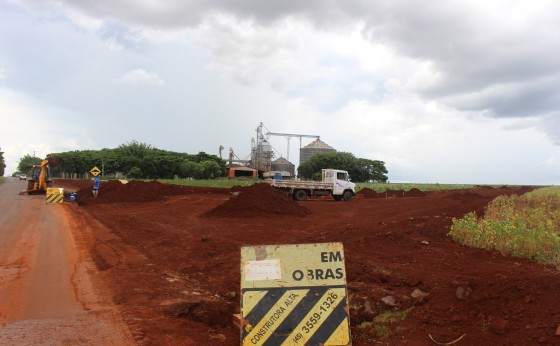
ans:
(441, 91)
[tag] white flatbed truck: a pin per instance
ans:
(334, 182)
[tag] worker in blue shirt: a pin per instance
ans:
(96, 185)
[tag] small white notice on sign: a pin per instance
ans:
(263, 270)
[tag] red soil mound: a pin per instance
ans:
(414, 192)
(524, 189)
(484, 187)
(136, 191)
(369, 193)
(466, 196)
(258, 200)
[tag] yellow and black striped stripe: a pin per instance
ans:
(295, 316)
(55, 198)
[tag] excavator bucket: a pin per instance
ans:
(53, 160)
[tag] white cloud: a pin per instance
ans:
(453, 92)
(253, 55)
(141, 77)
(30, 127)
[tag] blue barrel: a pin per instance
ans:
(278, 176)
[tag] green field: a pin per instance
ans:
(378, 187)
(225, 183)
(382, 187)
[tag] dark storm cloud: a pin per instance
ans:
(476, 51)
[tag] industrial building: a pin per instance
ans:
(313, 148)
(261, 162)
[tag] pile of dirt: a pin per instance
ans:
(414, 192)
(466, 196)
(258, 200)
(137, 191)
(116, 191)
(484, 187)
(524, 189)
(369, 193)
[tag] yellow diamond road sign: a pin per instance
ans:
(294, 295)
(95, 171)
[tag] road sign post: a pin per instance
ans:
(294, 295)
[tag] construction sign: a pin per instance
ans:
(95, 171)
(294, 295)
(55, 195)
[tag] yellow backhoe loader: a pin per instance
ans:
(39, 181)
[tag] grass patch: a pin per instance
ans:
(382, 187)
(382, 323)
(224, 183)
(378, 187)
(525, 226)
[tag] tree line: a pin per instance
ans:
(360, 170)
(134, 160)
(142, 161)
(2, 163)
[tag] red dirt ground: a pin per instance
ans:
(172, 258)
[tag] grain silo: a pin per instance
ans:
(315, 147)
(283, 165)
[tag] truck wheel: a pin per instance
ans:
(347, 195)
(300, 195)
(337, 197)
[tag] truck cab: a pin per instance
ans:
(343, 188)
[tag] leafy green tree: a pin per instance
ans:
(27, 162)
(152, 163)
(336, 160)
(168, 166)
(369, 170)
(2, 163)
(134, 173)
(135, 149)
(148, 167)
(360, 170)
(210, 169)
(190, 169)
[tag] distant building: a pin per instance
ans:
(315, 147)
(235, 171)
(284, 166)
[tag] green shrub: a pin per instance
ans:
(524, 226)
